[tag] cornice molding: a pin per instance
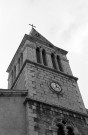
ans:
(28, 99)
(9, 92)
(45, 67)
(50, 45)
(50, 69)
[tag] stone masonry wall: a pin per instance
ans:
(30, 119)
(43, 120)
(29, 53)
(38, 80)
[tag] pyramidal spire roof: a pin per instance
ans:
(38, 36)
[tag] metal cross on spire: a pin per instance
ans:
(32, 25)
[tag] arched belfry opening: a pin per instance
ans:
(53, 61)
(44, 57)
(59, 63)
(60, 130)
(63, 126)
(38, 55)
(63, 129)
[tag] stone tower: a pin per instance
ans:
(54, 105)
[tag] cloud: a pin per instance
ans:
(74, 28)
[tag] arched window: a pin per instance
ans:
(59, 63)
(21, 59)
(70, 131)
(53, 61)
(14, 74)
(18, 64)
(60, 129)
(38, 55)
(44, 57)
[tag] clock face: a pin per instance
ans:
(56, 87)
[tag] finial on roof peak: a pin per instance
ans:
(32, 26)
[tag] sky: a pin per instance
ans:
(62, 22)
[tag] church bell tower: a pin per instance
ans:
(54, 105)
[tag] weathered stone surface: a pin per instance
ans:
(12, 116)
(48, 118)
(38, 83)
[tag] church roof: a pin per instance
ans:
(38, 36)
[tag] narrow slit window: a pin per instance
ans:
(12, 77)
(59, 63)
(44, 57)
(38, 55)
(18, 64)
(14, 72)
(21, 59)
(53, 61)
